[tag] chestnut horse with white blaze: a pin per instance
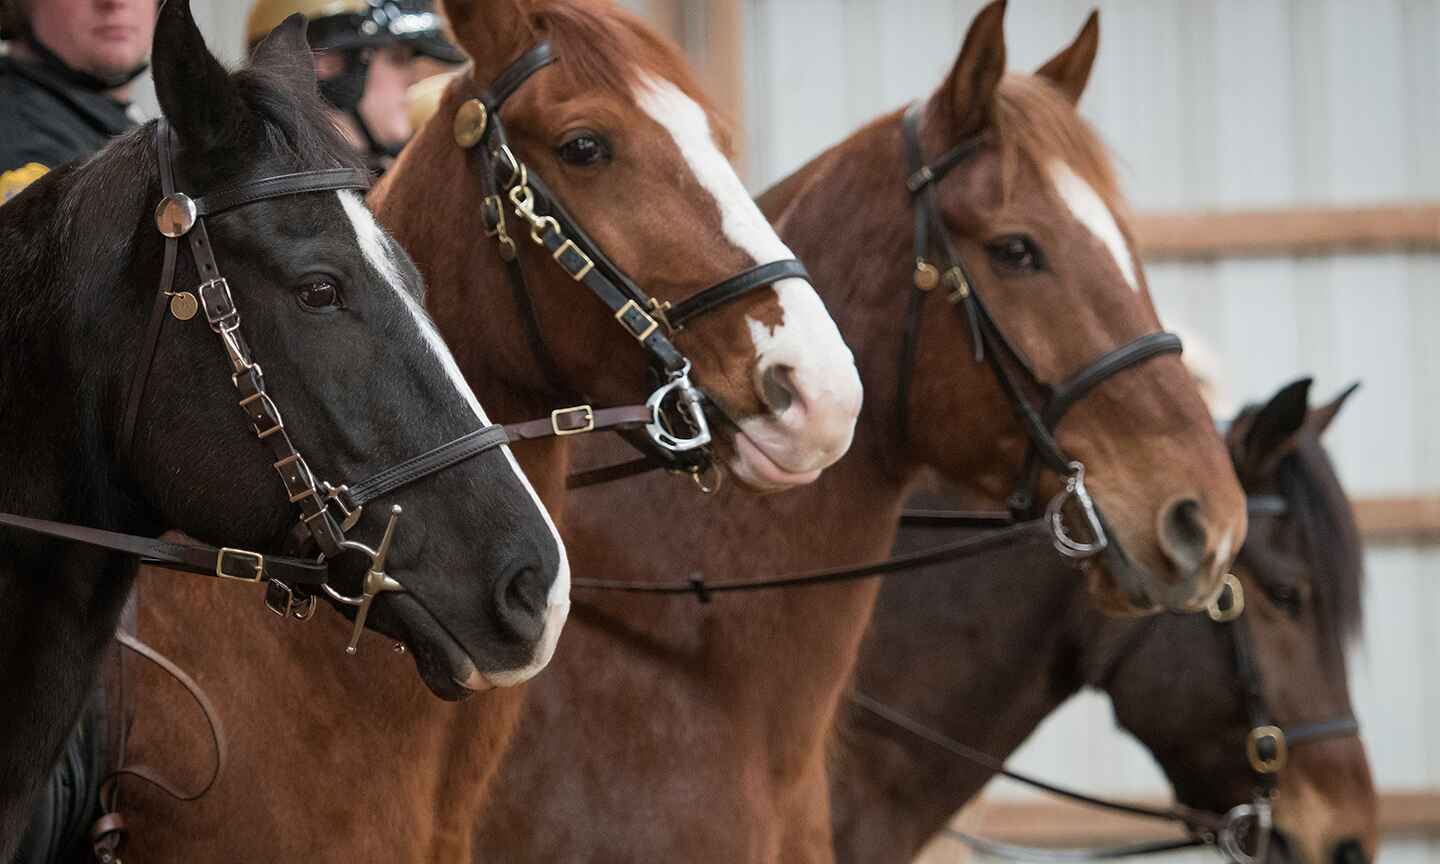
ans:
(697, 732)
(636, 182)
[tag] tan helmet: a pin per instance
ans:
(266, 15)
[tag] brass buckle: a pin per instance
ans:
(569, 248)
(659, 310)
(629, 307)
(1274, 764)
(255, 559)
(583, 410)
(274, 410)
(959, 286)
(1230, 587)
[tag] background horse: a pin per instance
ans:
(691, 732)
(983, 657)
(333, 311)
(622, 138)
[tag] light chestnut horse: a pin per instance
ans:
(667, 730)
(353, 761)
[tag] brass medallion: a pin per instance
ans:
(470, 123)
(183, 305)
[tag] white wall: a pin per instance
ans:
(1214, 105)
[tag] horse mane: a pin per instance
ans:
(1035, 123)
(604, 47)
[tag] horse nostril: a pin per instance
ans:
(1182, 534)
(777, 387)
(521, 601)
(1350, 851)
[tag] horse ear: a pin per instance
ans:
(286, 51)
(968, 95)
(491, 32)
(195, 92)
(1272, 431)
(1320, 419)
(1070, 69)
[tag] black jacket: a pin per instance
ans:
(46, 121)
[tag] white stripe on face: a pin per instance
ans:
(1090, 210)
(807, 339)
(376, 246)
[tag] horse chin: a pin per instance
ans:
(1107, 596)
(443, 665)
(753, 468)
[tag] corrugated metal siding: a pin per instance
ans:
(1214, 105)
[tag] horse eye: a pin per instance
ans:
(584, 149)
(1286, 598)
(319, 295)
(1016, 252)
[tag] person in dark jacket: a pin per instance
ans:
(64, 92)
(65, 82)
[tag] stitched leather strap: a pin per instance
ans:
(442, 457)
(332, 179)
(192, 558)
(734, 288)
(580, 419)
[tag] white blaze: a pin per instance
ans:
(376, 248)
(807, 339)
(1089, 209)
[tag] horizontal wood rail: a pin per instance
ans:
(1414, 519)
(1055, 823)
(1288, 231)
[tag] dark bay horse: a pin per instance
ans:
(689, 732)
(983, 656)
(621, 137)
(303, 281)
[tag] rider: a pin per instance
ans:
(367, 53)
(65, 83)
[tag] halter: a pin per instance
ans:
(676, 432)
(1267, 745)
(291, 582)
(1005, 360)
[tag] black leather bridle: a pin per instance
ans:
(1012, 369)
(1242, 834)
(676, 431)
(318, 538)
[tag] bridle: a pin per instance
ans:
(1242, 834)
(318, 538)
(674, 431)
(1012, 369)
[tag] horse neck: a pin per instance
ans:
(58, 603)
(1010, 623)
(429, 202)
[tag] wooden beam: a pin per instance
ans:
(1288, 231)
(1400, 519)
(1057, 823)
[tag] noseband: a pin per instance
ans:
(676, 430)
(1012, 369)
(319, 535)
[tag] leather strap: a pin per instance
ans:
(193, 558)
(442, 457)
(578, 420)
(508, 81)
(735, 287)
(611, 473)
(207, 708)
(281, 186)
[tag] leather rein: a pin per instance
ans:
(1267, 746)
(671, 428)
(318, 538)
